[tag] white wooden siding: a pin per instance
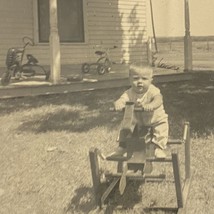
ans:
(15, 22)
(108, 23)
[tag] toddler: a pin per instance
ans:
(144, 94)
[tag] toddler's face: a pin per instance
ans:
(140, 81)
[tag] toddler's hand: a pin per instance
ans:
(118, 106)
(139, 103)
(148, 107)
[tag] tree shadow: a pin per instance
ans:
(11, 105)
(77, 112)
(82, 201)
(129, 199)
(68, 120)
(191, 101)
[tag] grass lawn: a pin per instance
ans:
(45, 140)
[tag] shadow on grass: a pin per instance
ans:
(82, 201)
(129, 199)
(75, 121)
(191, 101)
(84, 111)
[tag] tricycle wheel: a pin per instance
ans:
(101, 69)
(17, 75)
(5, 79)
(85, 68)
(108, 69)
(47, 75)
(108, 65)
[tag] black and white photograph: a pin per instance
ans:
(106, 107)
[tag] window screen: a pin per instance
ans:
(70, 20)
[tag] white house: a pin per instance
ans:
(82, 25)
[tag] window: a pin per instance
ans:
(70, 20)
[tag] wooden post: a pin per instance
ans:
(187, 152)
(55, 57)
(153, 26)
(149, 51)
(93, 155)
(187, 40)
(109, 190)
(177, 177)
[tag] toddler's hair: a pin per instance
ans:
(141, 68)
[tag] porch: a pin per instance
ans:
(117, 77)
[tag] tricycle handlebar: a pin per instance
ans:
(27, 41)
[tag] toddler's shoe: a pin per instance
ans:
(159, 153)
(119, 152)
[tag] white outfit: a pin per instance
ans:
(156, 120)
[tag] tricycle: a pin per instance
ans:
(16, 68)
(102, 65)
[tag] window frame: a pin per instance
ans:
(36, 27)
